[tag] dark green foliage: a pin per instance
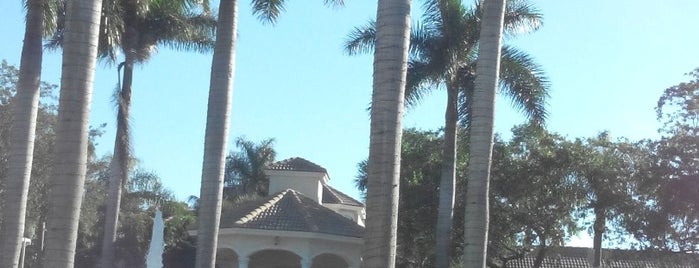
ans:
(245, 168)
(544, 190)
(420, 167)
(535, 188)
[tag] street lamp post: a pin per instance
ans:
(25, 242)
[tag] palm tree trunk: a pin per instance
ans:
(447, 180)
(219, 106)
(598, 227)
(390, 66)
(543, 249)
(481, 135)
(24, 111)
(65, 197)
(119, 166)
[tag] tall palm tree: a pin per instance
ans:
(24, 113)
(389, 80)
(137, 28)
(481, 134)
(442, 53)
(217, 116)
(65, 197)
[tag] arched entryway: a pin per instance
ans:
(226, 258)
(327, 260)
(271, 258)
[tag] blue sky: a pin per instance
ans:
(608, 62)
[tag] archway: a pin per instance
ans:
(226, 258)
(327, 260)
(272, 258)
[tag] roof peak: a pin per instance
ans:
(297, 164)
(289, 210)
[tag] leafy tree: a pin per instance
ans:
(604, 172)
(217, 117)
(534, 195)
(667, 216)
(535, 190)
(245, 169)
(442, 54)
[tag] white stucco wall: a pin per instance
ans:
(355, 213)
(246, 242)
(309, 184)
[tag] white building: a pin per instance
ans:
(303, 223)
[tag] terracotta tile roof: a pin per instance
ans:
(333, 196)
(574, 257)
(296, 164)
(289, 211)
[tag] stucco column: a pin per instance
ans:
(243, 262)
(306, 263)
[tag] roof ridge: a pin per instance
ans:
(297, 164)
(271, 202)
(301, 208)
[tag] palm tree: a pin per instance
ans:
(137, 27)
(390, 66)
(245, 169)
(65, 197)
(217, 115)
(442, 48)
(481, 135)
(220, 91)
(23, 128)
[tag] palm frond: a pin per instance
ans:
(176, 29)
(267, 11)
(453, 16)
(51, 9)
(361, 180)
(334, 3)
(55, 26)
(245, 167)
(467, 78)
(521, 17)
(431, 12)
(421, 78)
(361, 39)
(187, 32)
(422, 37)
(523, 80)
(112, 27)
